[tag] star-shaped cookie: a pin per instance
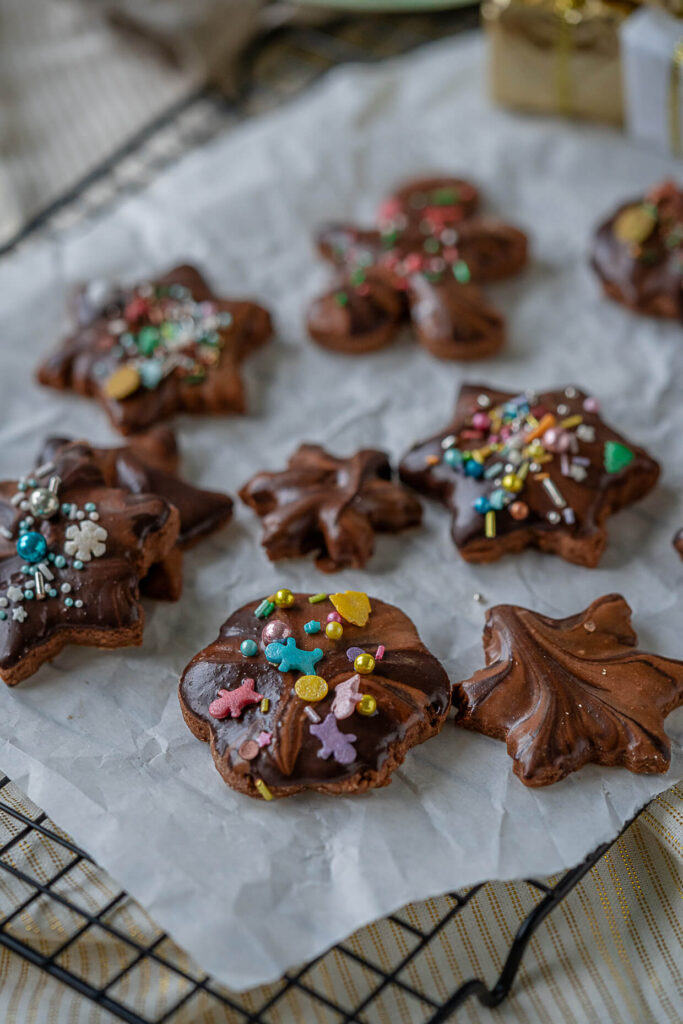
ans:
(529, 470)
(275, 729)
(148, 464)
(72, 554)
(638, 253)
(566, 692)
(157, 349)
(422, 263)
(331, 506)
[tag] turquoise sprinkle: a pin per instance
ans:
(3, 616)
(90, 506)
(28, 595)
(453, 456)
(249, 648)
(22, 486)
(78, 564)
(66, 508)
(60, 561)
(68, 601)
(497, 500)
(52, 592)
(265, 609)
(312, 626)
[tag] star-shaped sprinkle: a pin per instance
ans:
(334, 743)
(516, 471)
(330, 505)
(158, 348)
(422, 263)
(233, 702)
(566, 692)
(346, 696)
(92, 601)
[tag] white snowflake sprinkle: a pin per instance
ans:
(19, 614)
(85, 540)
(15, 593)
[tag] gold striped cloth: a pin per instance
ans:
(611, 952)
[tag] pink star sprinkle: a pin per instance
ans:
(232, 702)
(263, 739)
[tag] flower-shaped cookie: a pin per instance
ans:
(157, 349)
(72, 554)
(331, 506)
(272, 693)
(421, 263)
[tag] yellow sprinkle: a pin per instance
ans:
(122, 382)
(367, 705)
(334, 630)
(353, 605)
(283, 598)
(542, 459)
(364, 663)
(531, 420)
(571, 421)
(490, 523)
(311, 688)
(263, 789)
(317, 598)
(265, 704)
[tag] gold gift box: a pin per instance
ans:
(559, 56)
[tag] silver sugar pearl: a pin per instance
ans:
(43, 502)
(562, 409)
(553, 517)
(570, 392)
(483, 401)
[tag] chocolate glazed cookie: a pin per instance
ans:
(295, 695)
(422, 264)
(638, 253)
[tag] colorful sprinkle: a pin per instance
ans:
(284, 598)
(317, 598)
(312, 627)
(263, 789)
(364, 663)
(311, 688)
(334, 630)
(249, 648)
(367, 705)
(265, 609)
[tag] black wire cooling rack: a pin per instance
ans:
(48, 915)
(141, 959)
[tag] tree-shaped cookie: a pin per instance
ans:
(638, 253)
(148, 464)
(529, 470)
(157, 349)
(330, 505)
(566, 692)
(72, 554)
(422, 263)
(318, 692)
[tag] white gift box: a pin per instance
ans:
(652, 62)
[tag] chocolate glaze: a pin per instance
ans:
(329, 505)
(141, 529)
(410, 686)
(87, 356)
(592, 500)
(566, 692)
(414, 252)
(646, 277)
(147, 465)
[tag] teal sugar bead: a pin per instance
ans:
(453, 456)
(32, 546)
(249, 648)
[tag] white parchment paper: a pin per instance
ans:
(97, 739)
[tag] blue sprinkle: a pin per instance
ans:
(3, 616)
(90, 506)
(52, 592)
(312, 626)
(453, 456)
(28, 595)
(482, 504)
(249, 648)
(78, 564)
(60, 561)
(22, 486)
(474, 468)
(151, 372)
(497, 500)
(68, 601)
(66, 508)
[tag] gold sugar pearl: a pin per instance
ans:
(367, 705)
(364, 663)
(334, 630)
(283, 598)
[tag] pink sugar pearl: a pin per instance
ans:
(556, 440)
(481, 421)
(591, 404)
(275, 630)
(334, 617)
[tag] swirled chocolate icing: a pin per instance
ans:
(566, 692)
(423, 264)
(529, 470)
(638, 253)
(96, 547)
(411, 690)
(330, 505)
(157, 349)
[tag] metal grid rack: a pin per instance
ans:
(83, 908)
(57, 908)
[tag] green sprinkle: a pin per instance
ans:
(341, 298)
(147, 339)
(433, 276)
(461, 272)
(357, 277)
(265, 609)
(617, 456)
(389, 238)
(444, 196)
(431, 245)
(317, 598)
